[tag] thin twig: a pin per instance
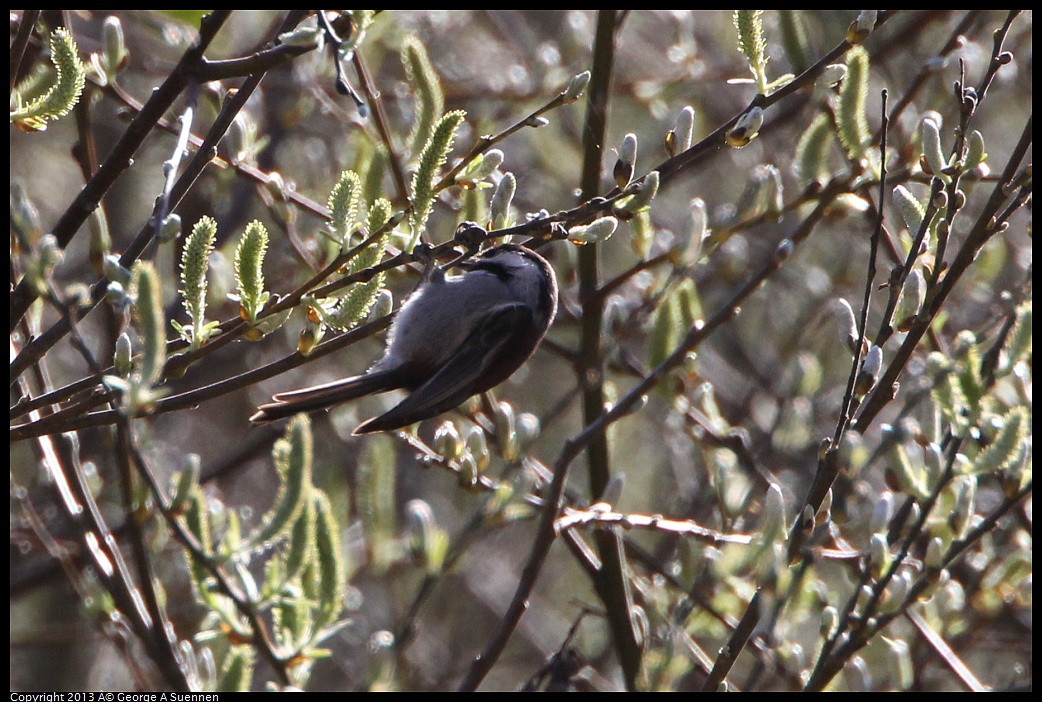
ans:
(942, 649)
(982, 230)
(374, 101)
(572, 448)
(828, 464)
(21, 40)
(122, 154)
(118, 162)
(730, 650)
(572, 518)
(163, 648)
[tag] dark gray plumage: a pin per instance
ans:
(454, 337)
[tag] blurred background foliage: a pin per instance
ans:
(426, 583)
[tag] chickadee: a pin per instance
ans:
(453, 337)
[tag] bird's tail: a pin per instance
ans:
(287, 404)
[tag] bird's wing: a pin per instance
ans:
(497, 337)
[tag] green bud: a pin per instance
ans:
(934, 553)
(930, 132)
(846, 324)
(913, 292)
(912, 211)
(687, 244)
(382, 306)
(114, 56)
(745, 129)
(57, 96)
(100, 239)
(851, 452)
(249, 273)
(309, 37)
(965, 504)
(479, 169)
(527, 429)
(185, 483)
(832, 75)
(623, 171)
(434, 154)
(148, 307)
(276, 185)
(861, 27)
(499, 206)
(774, 519)
(882, 513)
(122, 359)
(447, 441)
(903, 666)
(933, 459)
(829, 621)
(897, 591)
(866, 378)
(309, 337)
(419, 521)
(477, 448)
(468, 470)
(49, 252)
(857, 675)
(975, 151)
(685, 129)
(879, 555)
(595, 232)
(576, 87)
(170, 230)
(116, 295)
(641, 193)
(506, 434)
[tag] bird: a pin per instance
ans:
(454, 337)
